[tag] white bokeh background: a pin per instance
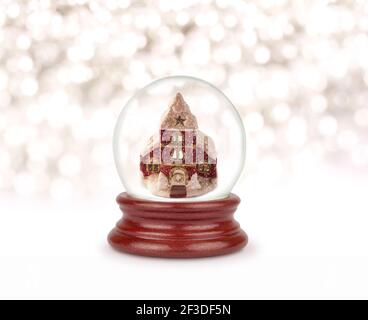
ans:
(297, 71)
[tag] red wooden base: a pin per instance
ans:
(177, 229)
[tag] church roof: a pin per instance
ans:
(179, 116)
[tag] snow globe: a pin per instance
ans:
(179, 148)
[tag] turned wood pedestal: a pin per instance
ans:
(177, 229)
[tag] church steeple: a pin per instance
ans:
(178, 115)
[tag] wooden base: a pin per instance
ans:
(177, 229)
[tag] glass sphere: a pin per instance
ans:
(179, 139)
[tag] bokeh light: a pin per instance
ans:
(296, 70)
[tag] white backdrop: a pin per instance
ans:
(308, 239)
(297, 72)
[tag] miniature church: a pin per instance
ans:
(180, 160)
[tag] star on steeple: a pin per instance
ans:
(180, 120)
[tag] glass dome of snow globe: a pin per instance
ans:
(179, 139)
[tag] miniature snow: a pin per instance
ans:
(180, 160)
